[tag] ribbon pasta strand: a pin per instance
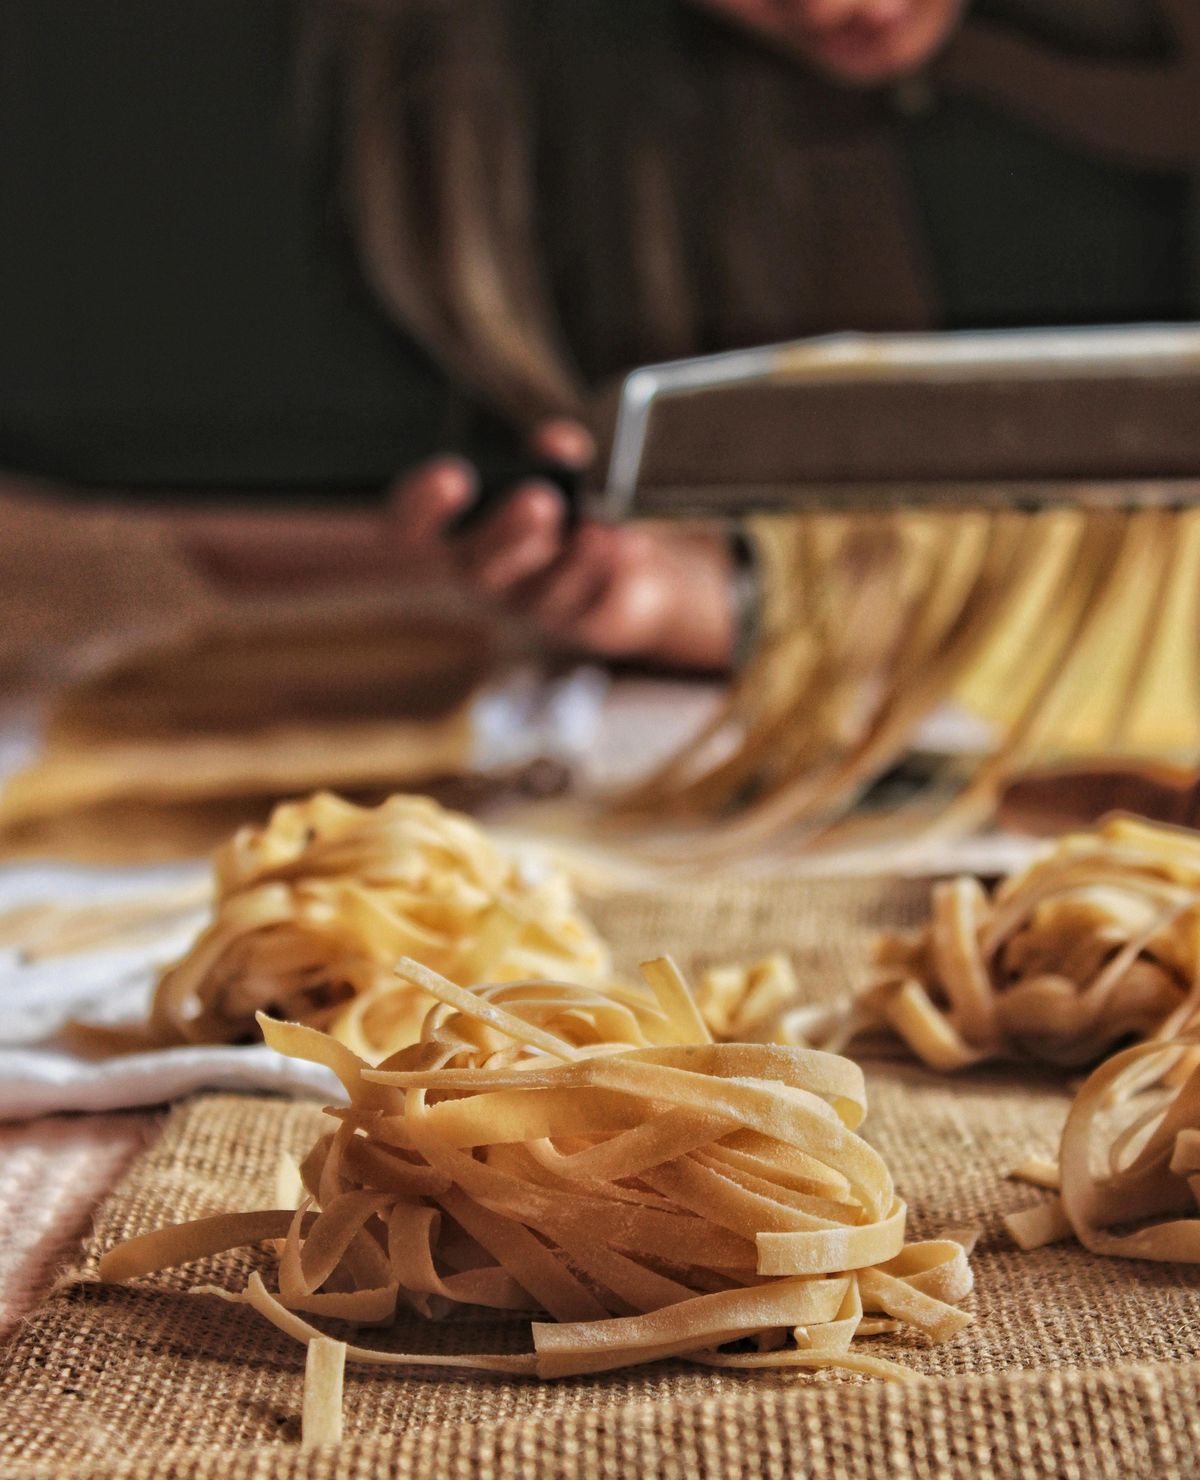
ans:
(1130, 1153)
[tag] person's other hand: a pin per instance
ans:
(656, 592)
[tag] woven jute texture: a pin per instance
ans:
(1074, 1366)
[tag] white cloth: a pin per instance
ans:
(42, 1080)
(40, 1074)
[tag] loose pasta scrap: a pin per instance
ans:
(544, 1148)
(321, 1419)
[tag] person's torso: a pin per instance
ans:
(177, 304)
(179, 307)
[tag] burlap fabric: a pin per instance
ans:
(1074, 1367)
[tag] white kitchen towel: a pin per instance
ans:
(40, 1073)
(41, 1080)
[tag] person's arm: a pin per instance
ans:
(654, 592)
(80, 582)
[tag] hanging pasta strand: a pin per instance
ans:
(1170, 678)
(1142, 584)
(1067, 610)
(1066, 613)
(822, 681)
(809, 665)
(1089, 605)
(799, 763)
(937, 648)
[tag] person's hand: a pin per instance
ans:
(656, 592)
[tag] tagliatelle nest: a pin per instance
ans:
(546, 1148)
(312, 911)
(1130, 1152)
(1096, 943)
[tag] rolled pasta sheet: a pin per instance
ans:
(1097, 943)
(313, 910)
(639, 1190)
(1129, 1162)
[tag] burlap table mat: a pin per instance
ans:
(1074, 1367)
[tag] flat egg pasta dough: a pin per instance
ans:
(546, 1149)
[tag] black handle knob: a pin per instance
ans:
(498, 480)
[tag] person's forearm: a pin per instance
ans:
(253, 549)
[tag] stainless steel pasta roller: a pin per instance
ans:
(1105, 418)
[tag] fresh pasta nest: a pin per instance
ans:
(1130, 1153)
(1095, 943)
(312, 911)
(599, 1162)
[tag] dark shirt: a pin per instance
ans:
(179, 306)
